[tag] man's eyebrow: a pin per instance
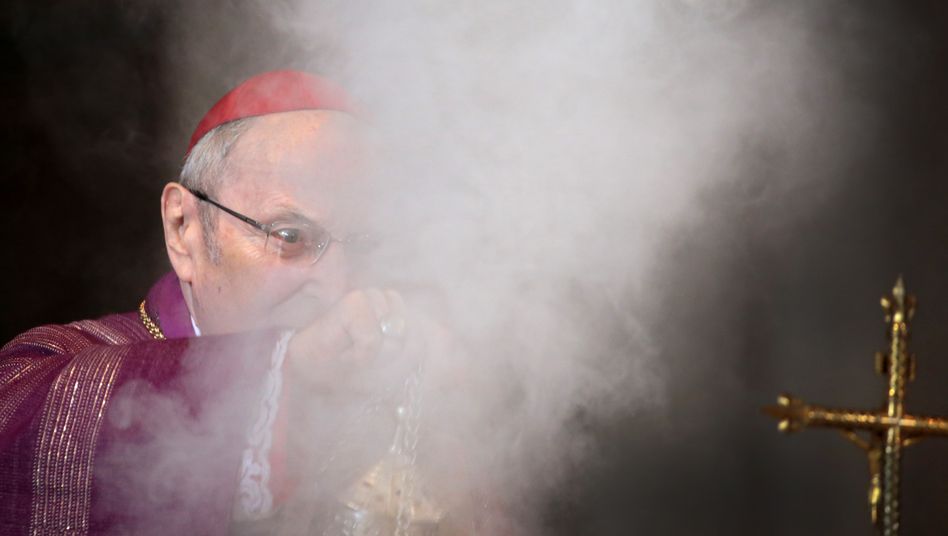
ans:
(289, 215)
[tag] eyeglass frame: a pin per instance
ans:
(268, 228)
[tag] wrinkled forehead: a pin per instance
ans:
(312, 159)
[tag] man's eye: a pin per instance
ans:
(288, 235)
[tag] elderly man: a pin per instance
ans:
(257, 232)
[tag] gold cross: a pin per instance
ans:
(889, 429)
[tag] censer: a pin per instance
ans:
(389, 499)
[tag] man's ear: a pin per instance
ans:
(184, 237)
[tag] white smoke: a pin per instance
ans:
(534, 160)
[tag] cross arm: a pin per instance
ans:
(793, 414)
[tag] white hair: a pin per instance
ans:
(204, 170)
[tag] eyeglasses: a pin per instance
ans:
(291, 240)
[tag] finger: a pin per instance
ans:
(326, 337)
(378, 302)
(362, 325)
(396, 304)
(393, 324)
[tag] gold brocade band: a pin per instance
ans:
(150, 324)
(72, 417)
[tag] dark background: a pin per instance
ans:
(95, 124)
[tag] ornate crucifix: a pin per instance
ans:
(889, 429)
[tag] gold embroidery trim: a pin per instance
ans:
(150, 324)
(72, 418)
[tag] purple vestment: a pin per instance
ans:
(106, 429)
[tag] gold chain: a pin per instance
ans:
(150, 324)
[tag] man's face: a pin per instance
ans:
(288, 167)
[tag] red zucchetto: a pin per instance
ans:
(269, 93)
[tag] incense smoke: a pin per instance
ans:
(536, 163)
(532, 168)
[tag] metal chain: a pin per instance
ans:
(406, 447)
(150, 324)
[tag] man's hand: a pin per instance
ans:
(349, 334)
